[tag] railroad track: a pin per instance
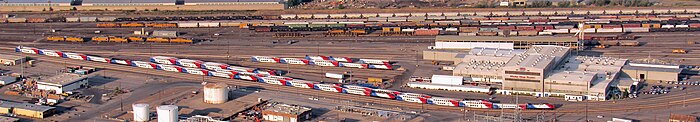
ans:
(642, 104)
(381, 101)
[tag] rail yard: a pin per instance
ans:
(637, 64)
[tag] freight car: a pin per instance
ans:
(118, 39)
(55, 38)
(100, 39)
(75, 39)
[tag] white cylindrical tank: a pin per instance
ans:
(167, 113)
(141, 112)
(215, 93)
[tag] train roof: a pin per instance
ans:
(35, 1)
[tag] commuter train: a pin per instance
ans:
(197, 67)
(327, 61)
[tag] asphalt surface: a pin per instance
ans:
(138, 94)
(241, 44)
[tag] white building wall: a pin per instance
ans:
(470, 45)
(447, 80)
(48, 87)
(62, 89)
(270, 117)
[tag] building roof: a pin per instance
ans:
(594, 64)
(495, 52)
(557, 51)
(35, 1)
(657, 69)
(539, 57)
(474, 67)
(10, 57)
(625, 82)
(286, 108)
(127, 1)
(8, 78)
(504, 39)
(536, 61)
(490, 55)
(63, 79)
(575, 77)
(26, 106)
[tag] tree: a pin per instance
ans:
(540, 4)
(599, 2)
(485, 4)
(291, 3)
(73, 9)
(564, 4)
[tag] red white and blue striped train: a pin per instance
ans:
(223, 70)
(328, 61)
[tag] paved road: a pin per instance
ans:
(138, 94)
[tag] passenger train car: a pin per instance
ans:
(250, 74)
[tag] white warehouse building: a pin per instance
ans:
(447, 80)
(542, 70)
(63, 82)
(469, 42)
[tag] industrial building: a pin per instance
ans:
(501, 42)
(127, 2)
(285, 112)
(4, 80)
(443, 55)
(26, 109)
(652, 72)
(484, 64)
(547, 70)
(63, 82)
(10, 60)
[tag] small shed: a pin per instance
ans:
(10, 60)
(4, 80)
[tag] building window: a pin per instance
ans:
(523, 80)
(523, 73)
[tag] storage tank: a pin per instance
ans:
(167, 113)
(215, 93)
(141, 112)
